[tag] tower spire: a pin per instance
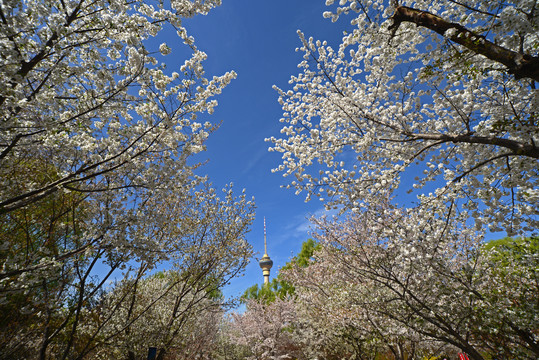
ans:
(265, 244)
(265, 263)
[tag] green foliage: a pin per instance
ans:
(32, 236)
(46, 227)
(264, 293)
(513, 262)
(508, 250)
(305, 255)
(267, 293)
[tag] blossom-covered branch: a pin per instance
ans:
(518, 64)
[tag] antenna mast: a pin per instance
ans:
(265, 244)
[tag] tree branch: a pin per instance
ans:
(518, 148)
(519, 65)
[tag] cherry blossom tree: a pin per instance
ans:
(169, 311)
(266, 330)
(438, 98)
(202, 240)
(441, 91)
(226, 346)
(407, 293)
(81, 91)
(97, 179)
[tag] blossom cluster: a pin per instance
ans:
(398, 106)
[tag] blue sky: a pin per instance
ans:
(257, 39)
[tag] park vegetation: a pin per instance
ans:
(112, 243)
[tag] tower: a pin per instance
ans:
(265, 263)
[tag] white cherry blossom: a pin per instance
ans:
(441, 92)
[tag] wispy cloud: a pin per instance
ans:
(254, 160)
